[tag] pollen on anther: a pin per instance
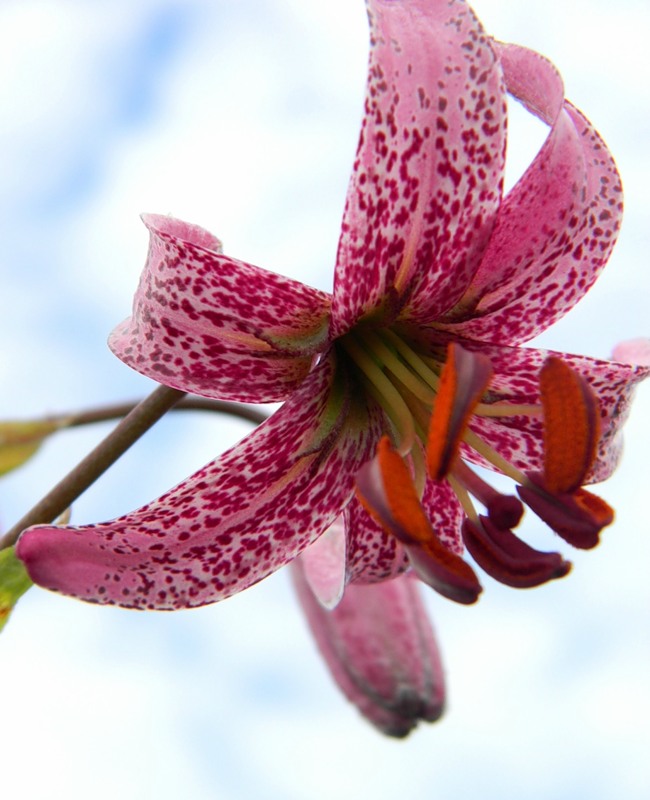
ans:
(571, 426)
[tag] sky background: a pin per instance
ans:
(243, 117)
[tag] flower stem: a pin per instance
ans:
(118, 441)
(190, 403)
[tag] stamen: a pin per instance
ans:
(505, 511)
(385, 393)
(453, 579)
(571, 426)
(464, 378)
(399, 503)
(385, 489)
(391, 362)
(578, 517)
(508, 410)
(508, 559)
(421, 413)
(493, 457)
(462, 494)
(415, 361)
(419, 469)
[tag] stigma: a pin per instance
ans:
(431, 404)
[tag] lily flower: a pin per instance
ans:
(411, 371)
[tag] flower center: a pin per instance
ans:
(430, 403)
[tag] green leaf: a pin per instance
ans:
(19, 441)
(14, 582)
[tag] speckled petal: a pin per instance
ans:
(381, 650)
(229, 525)
(445, 513)
(516, 380)
(427, 178)
(206, 323)
(557, 226)
(372, 555)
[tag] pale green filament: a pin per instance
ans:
(491, 455)
(434, 364)
(463, 495)
(419, 469)
(391, 362)
(415, 361)
(384, 392)
(508, 410)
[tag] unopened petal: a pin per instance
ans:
(206, 323)
(229, 525)
(428, 174)
(380, 648)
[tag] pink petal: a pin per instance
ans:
(555, 229)
(323, 565)
(445, 513)
(516, 380)
(229, 525)
(372, 555)
(381, 651)
(427, 178)
(206, 323)
(633, 351)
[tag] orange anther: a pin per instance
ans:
(464, 378)
(571, 426)
(396, 506)
(400, 496)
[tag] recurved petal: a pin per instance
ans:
(558, 225)
(206, 323)
(229, 525)
(381, 650)
(427, 177)
(516, 380)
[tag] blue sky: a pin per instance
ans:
(244, 118)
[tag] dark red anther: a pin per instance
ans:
(505, 510)
(507, 558)
(452, 578)
(578, 517)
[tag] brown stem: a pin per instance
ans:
(118, 441)
(190, 403)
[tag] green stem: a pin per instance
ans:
(118, 441)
